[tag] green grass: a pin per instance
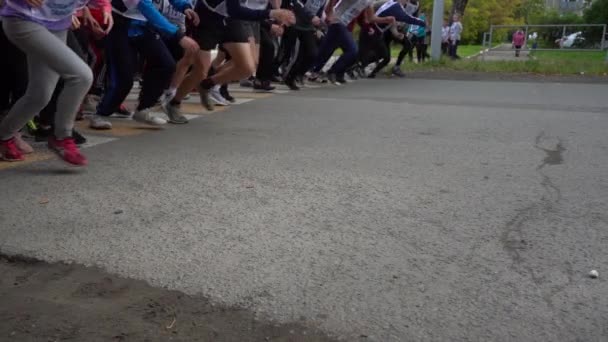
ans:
(542, 62)
(464, 50)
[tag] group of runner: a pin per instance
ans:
(63, 58)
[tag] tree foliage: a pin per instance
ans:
(597, 13)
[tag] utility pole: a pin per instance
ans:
(438, 6)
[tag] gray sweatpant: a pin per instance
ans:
(48, 59)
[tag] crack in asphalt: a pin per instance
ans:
(513, 237)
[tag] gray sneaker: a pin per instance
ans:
(144, 116)
(205, 100)
(98, 122)
(175, 114)
(397, 71)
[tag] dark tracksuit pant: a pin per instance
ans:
(121, 55)
(407, 47)
(373, 49)
(306, 52)
(13, 81)
(265, 69)
(337, 36)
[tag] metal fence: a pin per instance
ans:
(592, 37)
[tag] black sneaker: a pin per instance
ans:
(263, 86)
(79, 139)
(341, 79)
(42, 134)
(225, 94)
(291, 83)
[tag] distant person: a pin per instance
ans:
(445, 37)
(455, 36)
(519, 39)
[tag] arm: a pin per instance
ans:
(373, 19)
(181, 5)
(156, 19)
(329, 8)
(400, 15)
(236, 11)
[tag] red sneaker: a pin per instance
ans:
(68, 151)
(9, 151)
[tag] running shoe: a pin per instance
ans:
(23, 146)
(144, 116)
(397, 71)
(291, 84)
(247, 83)
(225, 94)
(263, 86)
(123, 112)
(9, 151)
(352, 75)
(98, 122)
(79, 139)
(67, 150)
(217, 98)
(205, 100)
(175, 114)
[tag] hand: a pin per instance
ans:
(189, 45)
(277, 30)
(316, 21)
(283, 16)
(192, 16)
(35, 3)
(330, 17)
(401, 36)
(91, 23)
(75, 23)
(391, 20)
(108, 21)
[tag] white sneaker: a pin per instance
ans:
(216, 96)
(99, 122)
(144, 116)
(89, 105)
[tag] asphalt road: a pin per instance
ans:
(386, 210)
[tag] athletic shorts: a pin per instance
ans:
(213, 30)
(176, 50)
(253, 28)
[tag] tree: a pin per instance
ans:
(458, 6)
(529, 9)
(597, 13)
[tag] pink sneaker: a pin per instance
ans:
(68, 151)
(23, 146)
(9, 151)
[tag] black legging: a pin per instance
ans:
(406, 49)
(373, 48)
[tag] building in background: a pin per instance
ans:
(568, 6)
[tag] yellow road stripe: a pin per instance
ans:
(29, 158)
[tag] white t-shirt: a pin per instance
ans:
(456, 31)
(347, 10)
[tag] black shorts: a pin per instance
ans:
(176, 50)
(253, 28)
(214, 30)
